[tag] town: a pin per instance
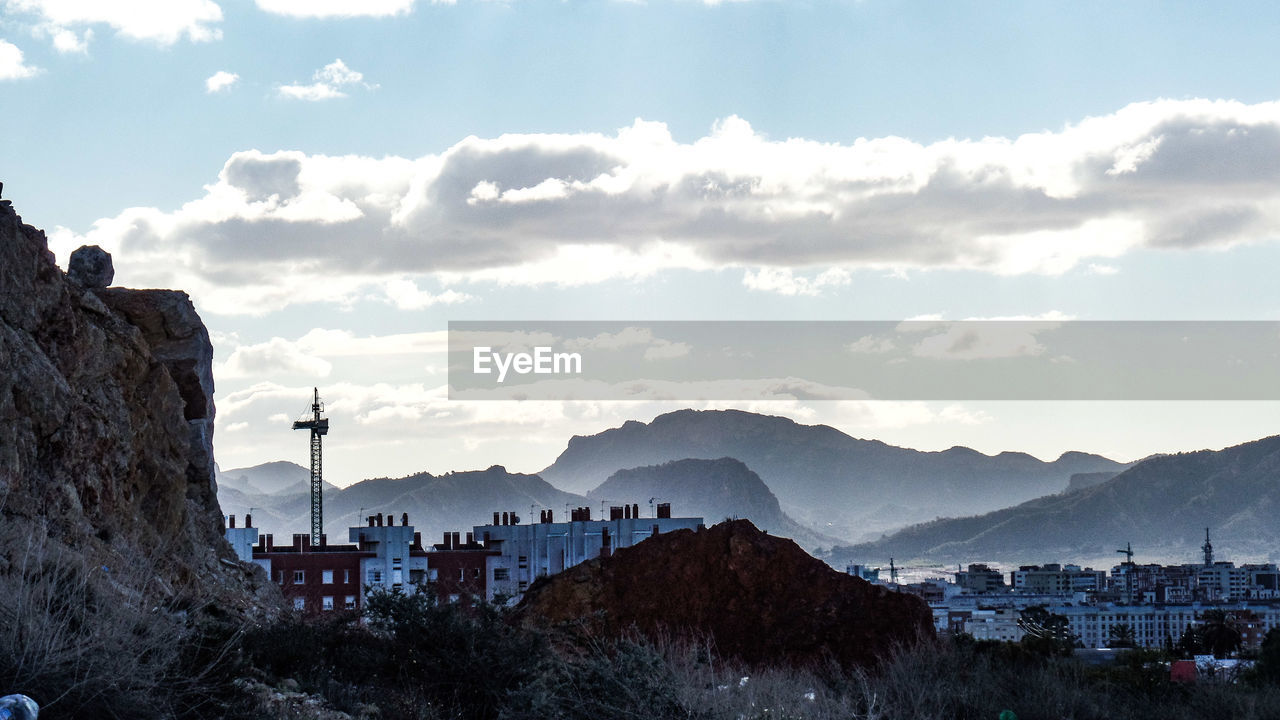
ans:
(1133, 605)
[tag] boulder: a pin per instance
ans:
(90, 267)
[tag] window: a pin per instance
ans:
(417, 576)
(346, 577)
(326, 577)
(375, 577)
(433, 574)
(326, 602)
(502, 573)
(351, 602)
(299, 577)
(462, 574)
(475, 573)
(299, 603)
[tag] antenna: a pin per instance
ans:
(319, 427)
(893, 572)
(1208, 549)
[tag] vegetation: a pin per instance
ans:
(409, 656)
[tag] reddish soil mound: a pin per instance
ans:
(760, 598)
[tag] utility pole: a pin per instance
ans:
(319, 427)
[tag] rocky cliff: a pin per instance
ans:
(759, 598)
(106, 427)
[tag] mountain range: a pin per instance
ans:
(840, 485)
(1160, 505)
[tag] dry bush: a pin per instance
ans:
(88, 640)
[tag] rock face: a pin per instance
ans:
(90, 267)
(760, 598)
(106, 423)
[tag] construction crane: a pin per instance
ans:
(1131, 577)
(319, 427)
(1127, 552)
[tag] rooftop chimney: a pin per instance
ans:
(248, 520)
(615, 512)
(470, 539)
(404, 518)
(232, 520)
(495, 517)
(635, 510)
(391, 520)
(454, 541)
(505, 519)
(664, 510)
(370, 521)
(446, 540)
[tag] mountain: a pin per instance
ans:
(1161, 505)
(823, 478)
(272, 478)
(712, 489)
(1080, 481)
(435, 503)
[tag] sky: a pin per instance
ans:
(334, 181)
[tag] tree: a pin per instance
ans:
(1121, 636)
(1046, 632)
(1219, 632)
(1267, 670)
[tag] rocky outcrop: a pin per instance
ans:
(106, 424)
(759, 598)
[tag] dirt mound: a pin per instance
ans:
(760, 598)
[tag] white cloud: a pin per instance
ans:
(12, 65)
(784, 282)
(796, 217)
(65, 40)
(161, 21)
(871, 345)
(405, 294)
(336, 8)
(330, 81)
(272, 358)
(220, 81)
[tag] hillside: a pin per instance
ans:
(1161, 505)
(823, 478)
(712, 489)
(272, 478)
(756, 597)
(435, 503)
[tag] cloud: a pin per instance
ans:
(871, 345)
(272, 358)
(337, 8)
(220, 81)
(655, 348)
(65, 40)
(331, 81)
(797, 217)
(164, 22)
(784, 282)
(405, 294)
(12, 65)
